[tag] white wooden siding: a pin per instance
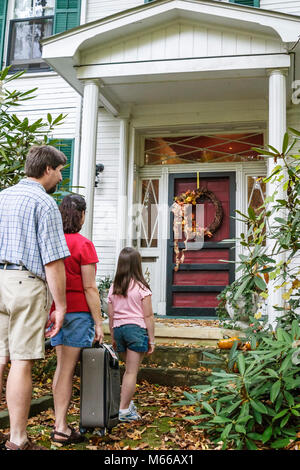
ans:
(200, 114)
(100, 8)
(105, 228)
(286, 6)
(182, 39)
(54, 96)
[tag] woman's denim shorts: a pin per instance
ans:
(77, 331)
(131, 337)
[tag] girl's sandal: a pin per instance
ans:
(73, 438)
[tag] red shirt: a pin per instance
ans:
(82, 252)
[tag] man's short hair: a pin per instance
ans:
(41, 156)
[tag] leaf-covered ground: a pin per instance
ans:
(163, 426)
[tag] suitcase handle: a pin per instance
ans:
(113, 358)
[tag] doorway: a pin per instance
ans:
(192, 290)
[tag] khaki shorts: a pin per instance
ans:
(25, 302)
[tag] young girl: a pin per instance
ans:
(131, 324)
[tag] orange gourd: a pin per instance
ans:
(228, 342)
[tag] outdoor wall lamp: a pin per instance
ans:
(99, 169)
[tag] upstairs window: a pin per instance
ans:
(34, 20)
(248, 3)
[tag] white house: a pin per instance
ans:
(169, 96)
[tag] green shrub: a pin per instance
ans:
(257, 405)
(104, 284)
(18, 135)
(259, 271)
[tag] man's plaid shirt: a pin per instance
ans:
(31, 230)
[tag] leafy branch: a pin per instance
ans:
(18, 135)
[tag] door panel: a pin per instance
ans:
(201, 278)
(193, 289)
(205, 256)
(194, 300)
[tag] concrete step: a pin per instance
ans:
(172, 365)
(171, 376)
(176, 356)
(180, 347)
(175, 365)
(184, 332)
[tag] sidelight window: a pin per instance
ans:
(149, 213)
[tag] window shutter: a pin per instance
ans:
(3, 7)
(67, 15)
(248, 3)
(67, 147)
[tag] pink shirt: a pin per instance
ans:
(129, 309)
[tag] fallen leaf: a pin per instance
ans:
(142, 446)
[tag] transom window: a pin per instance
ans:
(33, 21)
(202, 149)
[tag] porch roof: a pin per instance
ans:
(103, 50)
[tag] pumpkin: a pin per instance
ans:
(228, 342)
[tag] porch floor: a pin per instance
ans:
(185, 331)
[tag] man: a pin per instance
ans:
(32, 250)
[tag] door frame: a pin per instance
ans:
(204, 313)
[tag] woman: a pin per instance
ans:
(83, 322)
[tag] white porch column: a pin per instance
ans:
(122, 196)
(277, 129)
(88, 152)
(131, 186)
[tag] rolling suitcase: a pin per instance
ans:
(99, 388)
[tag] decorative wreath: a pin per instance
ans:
(180, 226)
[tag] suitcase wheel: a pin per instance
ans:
(83, 430)
(100, 432)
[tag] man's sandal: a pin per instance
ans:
(28, 445)
(73, 438)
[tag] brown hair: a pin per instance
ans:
(71, 209)
(41, 156)
(129, 268)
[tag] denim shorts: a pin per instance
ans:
(131, 337)
(77, 331)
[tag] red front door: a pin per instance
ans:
(193, 289)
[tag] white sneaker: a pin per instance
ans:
(129, 416)
(132, 406)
